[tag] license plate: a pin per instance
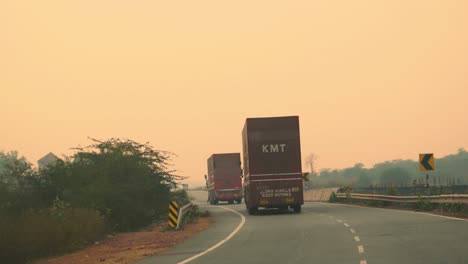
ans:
(290, 200)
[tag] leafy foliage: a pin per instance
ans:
(112, 185)
(394, 176)
(126, 181)
(34, 234)
(12, 169)
(333, 197)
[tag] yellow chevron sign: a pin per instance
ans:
(426, 162)
(173, 214)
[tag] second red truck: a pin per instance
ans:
(224, 181)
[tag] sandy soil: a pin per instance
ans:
(128, 247)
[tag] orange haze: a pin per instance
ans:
(371, 80)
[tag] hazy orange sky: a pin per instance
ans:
(371, 80)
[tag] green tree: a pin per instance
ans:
(12, 169)
(395, 176)
(126, 181)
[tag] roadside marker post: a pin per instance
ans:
(173, 214)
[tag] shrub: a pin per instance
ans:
(35, 234)
(424, 205)
(126, 181)
(181, 197)
(333, 198)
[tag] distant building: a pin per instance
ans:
(185, 187)
(47, 160)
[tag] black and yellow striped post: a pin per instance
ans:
(173, 214)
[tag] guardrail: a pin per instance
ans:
(183, 211)
(413, 190)
(444, 198)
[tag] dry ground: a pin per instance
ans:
(128, 247)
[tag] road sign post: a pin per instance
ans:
(426, 163)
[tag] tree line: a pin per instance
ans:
(449, 170)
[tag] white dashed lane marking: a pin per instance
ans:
(360, 249)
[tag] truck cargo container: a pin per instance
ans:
(224, 180)
(272, 163)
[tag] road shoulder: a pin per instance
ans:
(133, 246)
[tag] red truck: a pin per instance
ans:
(224, 180)
(272, 163)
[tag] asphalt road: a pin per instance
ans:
(323, 233)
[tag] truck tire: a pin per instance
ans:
(239, 201)
(231, 201)
(252, 210)
(297, 208)
(215, 201)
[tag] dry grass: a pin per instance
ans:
(126, 248)
(37, 234)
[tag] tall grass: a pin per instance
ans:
(35, 234)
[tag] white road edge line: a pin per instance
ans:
(352, 231)
(339, 220)
(363, 262)
(346, 224)
(232, 234)
(360, 249)
(357, 239)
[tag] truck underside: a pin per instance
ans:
(224, 195)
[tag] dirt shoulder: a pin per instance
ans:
(129, 247)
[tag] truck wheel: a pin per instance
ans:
(297, 208)
(252, 210)
(239, 201)
(215, 201)
(231, 201)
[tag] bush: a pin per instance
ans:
(333, 198)
(424, 205)
(126, 181)
(181, 196)
(453, 207)
(113, 185)
(35, 234)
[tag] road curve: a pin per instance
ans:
(325, 233)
